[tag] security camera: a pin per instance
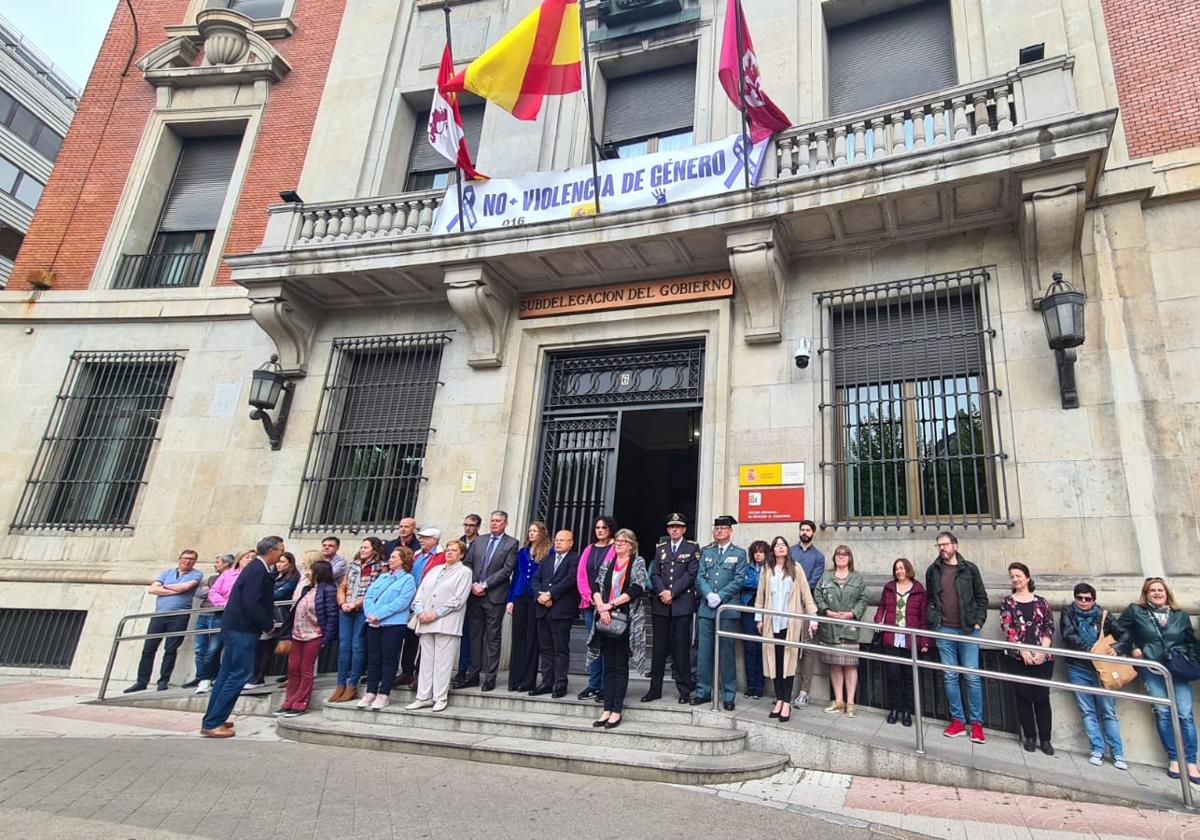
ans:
(803, 353)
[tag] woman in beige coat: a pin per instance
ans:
(438, 611)
(782, 587)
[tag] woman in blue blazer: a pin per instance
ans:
(386, 606)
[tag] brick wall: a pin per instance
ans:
(1155, 50)
(81, 197)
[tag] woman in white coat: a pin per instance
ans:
(438, 611)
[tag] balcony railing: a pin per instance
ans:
(160, 271)
(371, 218)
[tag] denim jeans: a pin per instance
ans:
(1156, 686)
(966, 655)
(352, 647)
(208, 646)
(237, 662)
(752, 653)
(596, 668)
(1099, 713)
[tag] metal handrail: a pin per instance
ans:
(917, 663)
(190, 630)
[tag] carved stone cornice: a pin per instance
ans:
(233, 53)
(484, 304)
(1051, 227)
(291, 321)
(758, 271)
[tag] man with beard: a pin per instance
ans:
(808, 557)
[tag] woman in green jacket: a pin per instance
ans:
(841, 593)
(1157, 628)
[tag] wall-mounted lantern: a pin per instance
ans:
(1062, 312)
(266, 385)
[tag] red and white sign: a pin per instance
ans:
(771, 504)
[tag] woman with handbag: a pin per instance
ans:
(367, 565)
(438, 611)
(386, 606)
(287, 577)
(1159, 631)
(782, 587)
(1026, 618)
(841, 593)
(902, 604)
(314, 626)
(617, 591)
(1083, 626)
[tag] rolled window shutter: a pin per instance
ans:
(933, 337)
(890, 57)
(427, 159)
(200, 183)
(648, 104)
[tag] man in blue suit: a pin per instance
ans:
(557, 605)
(718, 581)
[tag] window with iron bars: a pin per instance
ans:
(910, 431)
(365, 461)
(92, 460)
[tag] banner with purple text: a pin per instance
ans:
(625, 184)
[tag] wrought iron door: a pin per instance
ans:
(578, 469)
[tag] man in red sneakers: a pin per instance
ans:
(958, 604)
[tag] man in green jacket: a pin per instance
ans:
(718, 581)
(958, 604)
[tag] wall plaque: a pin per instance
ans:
(626, 296)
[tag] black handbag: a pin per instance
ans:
(1183, 666)
(617, 626)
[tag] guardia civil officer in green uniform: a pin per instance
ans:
(673, 596)
(718, 581)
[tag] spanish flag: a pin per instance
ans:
(539, 57)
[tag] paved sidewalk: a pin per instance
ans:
(75, 769)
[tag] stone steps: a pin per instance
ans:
(367, 732)
(635, 732)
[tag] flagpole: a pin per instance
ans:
(737, 5)
(457, 170)
(587, 74)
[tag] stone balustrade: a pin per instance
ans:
(950, 116)
(370, 218)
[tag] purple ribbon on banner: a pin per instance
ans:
(741, 156)
(467, 211)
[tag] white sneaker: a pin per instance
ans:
(1095, 759)
(204, 687)
(381, 702)
(419, 704)
(1120, 763)
(439, 706)
(366, 701)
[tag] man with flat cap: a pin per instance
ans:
(718, 581)
(672, 584)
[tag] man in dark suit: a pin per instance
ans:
(492, 559)
(672, 584)
(249, 612)
(557, 606)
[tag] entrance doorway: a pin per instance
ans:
(620, 434)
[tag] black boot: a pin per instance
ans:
(892, 716)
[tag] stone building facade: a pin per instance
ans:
(37, 101)
(906, 241)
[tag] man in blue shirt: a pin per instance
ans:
(174, 589)
(812, 561)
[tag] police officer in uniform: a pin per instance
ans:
(672, 584)
(718, 581)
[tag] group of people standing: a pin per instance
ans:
(408, 611)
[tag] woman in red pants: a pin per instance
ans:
(314, 625)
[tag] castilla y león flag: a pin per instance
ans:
(764, 116)
(539, 57)
(445, 123)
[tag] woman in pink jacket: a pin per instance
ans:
(589, 566)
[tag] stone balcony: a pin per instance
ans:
(1013, 148)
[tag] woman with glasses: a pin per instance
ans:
(617, 590)
(1156, 629)
(1026, 618)
(841, 593)
(1080, 628)
(599, 551)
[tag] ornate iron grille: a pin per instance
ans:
(91, 461)
(39, 638)
(910, 429)
(656, 375)
(578, 468)
(366, 457)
